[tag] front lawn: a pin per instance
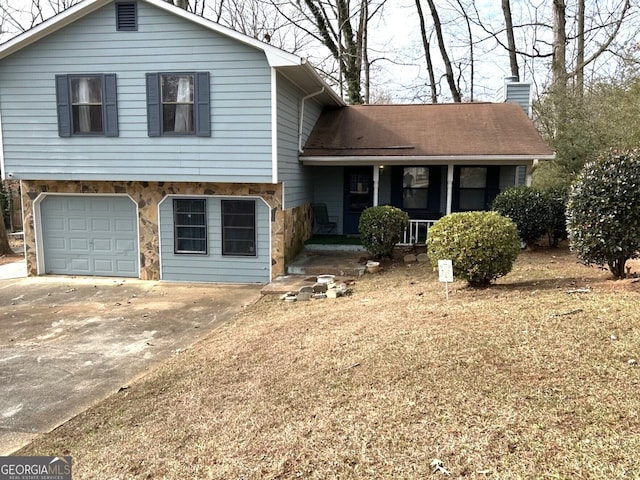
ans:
(535, 377)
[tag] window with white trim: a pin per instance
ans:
(239, 227)
(473, 188)
(190, 225)
(415, 187)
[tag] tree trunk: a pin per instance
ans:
(455, 93)
(5, 248)
(616, 267)
(580, 50)
(427, 54)
(511, 41)
(558, 61)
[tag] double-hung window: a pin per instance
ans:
(239, 227)
(87, 105)
(178, 104)
(415, 187)
(190, 225)
(473, 188)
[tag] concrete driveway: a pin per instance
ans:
(66, 343)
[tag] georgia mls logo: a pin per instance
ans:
(35, 468)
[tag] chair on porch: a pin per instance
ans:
(322, 222)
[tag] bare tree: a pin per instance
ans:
(559, 62)
(427, 54)
(437, 25)
(184, 4)
(511, 40)
(18, 17)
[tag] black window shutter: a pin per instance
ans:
(203, 109)
(153, 105)
(110, 105)
(63, 105)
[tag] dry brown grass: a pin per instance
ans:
(521, 380)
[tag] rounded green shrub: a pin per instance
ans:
(381, 228)
(529, 208)
(603, 211)
(481, 245)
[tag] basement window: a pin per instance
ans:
(190, 225)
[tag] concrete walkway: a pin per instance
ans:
(13, 270)
(67, 343)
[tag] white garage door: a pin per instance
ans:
(89, 235)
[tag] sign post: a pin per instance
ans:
(445, 274)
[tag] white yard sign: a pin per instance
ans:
(445, 274)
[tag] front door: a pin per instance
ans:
(358, 195)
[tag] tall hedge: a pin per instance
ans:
(603, 211)
(481, 245)
(530, 210)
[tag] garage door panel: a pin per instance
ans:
(79, 244)
(72, 205)
(101, 225)
(104, 267)
(89, 235)
(54, 224)
(57, 243)
(80, 265)
(78, 225)
(102, 245)
(124, 226)
(57, 263)
(127, 266)
(123, 246)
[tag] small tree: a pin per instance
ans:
(530, 210)
(481, 245)
(603, 211)
(381, 228)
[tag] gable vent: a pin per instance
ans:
(126, 16)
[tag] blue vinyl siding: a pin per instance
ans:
(239, 149)
(296, 179)
(214, 267)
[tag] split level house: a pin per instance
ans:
(155, 144)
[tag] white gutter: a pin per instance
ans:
(274, 126)
(415, 159)
(301, 126)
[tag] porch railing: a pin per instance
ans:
(417, 232)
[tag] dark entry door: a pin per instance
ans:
(358, 195)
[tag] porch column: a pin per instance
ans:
(376, 184)
(449, 188)
(529, 170)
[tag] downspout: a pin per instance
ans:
(300, 149)
(2, 167)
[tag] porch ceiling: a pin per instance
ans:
(443, 133)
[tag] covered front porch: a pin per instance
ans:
(428, 160)
(425, 191)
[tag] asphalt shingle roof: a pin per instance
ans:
(433, 130)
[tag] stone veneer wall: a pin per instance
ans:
(298, 228)
(147, 195)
